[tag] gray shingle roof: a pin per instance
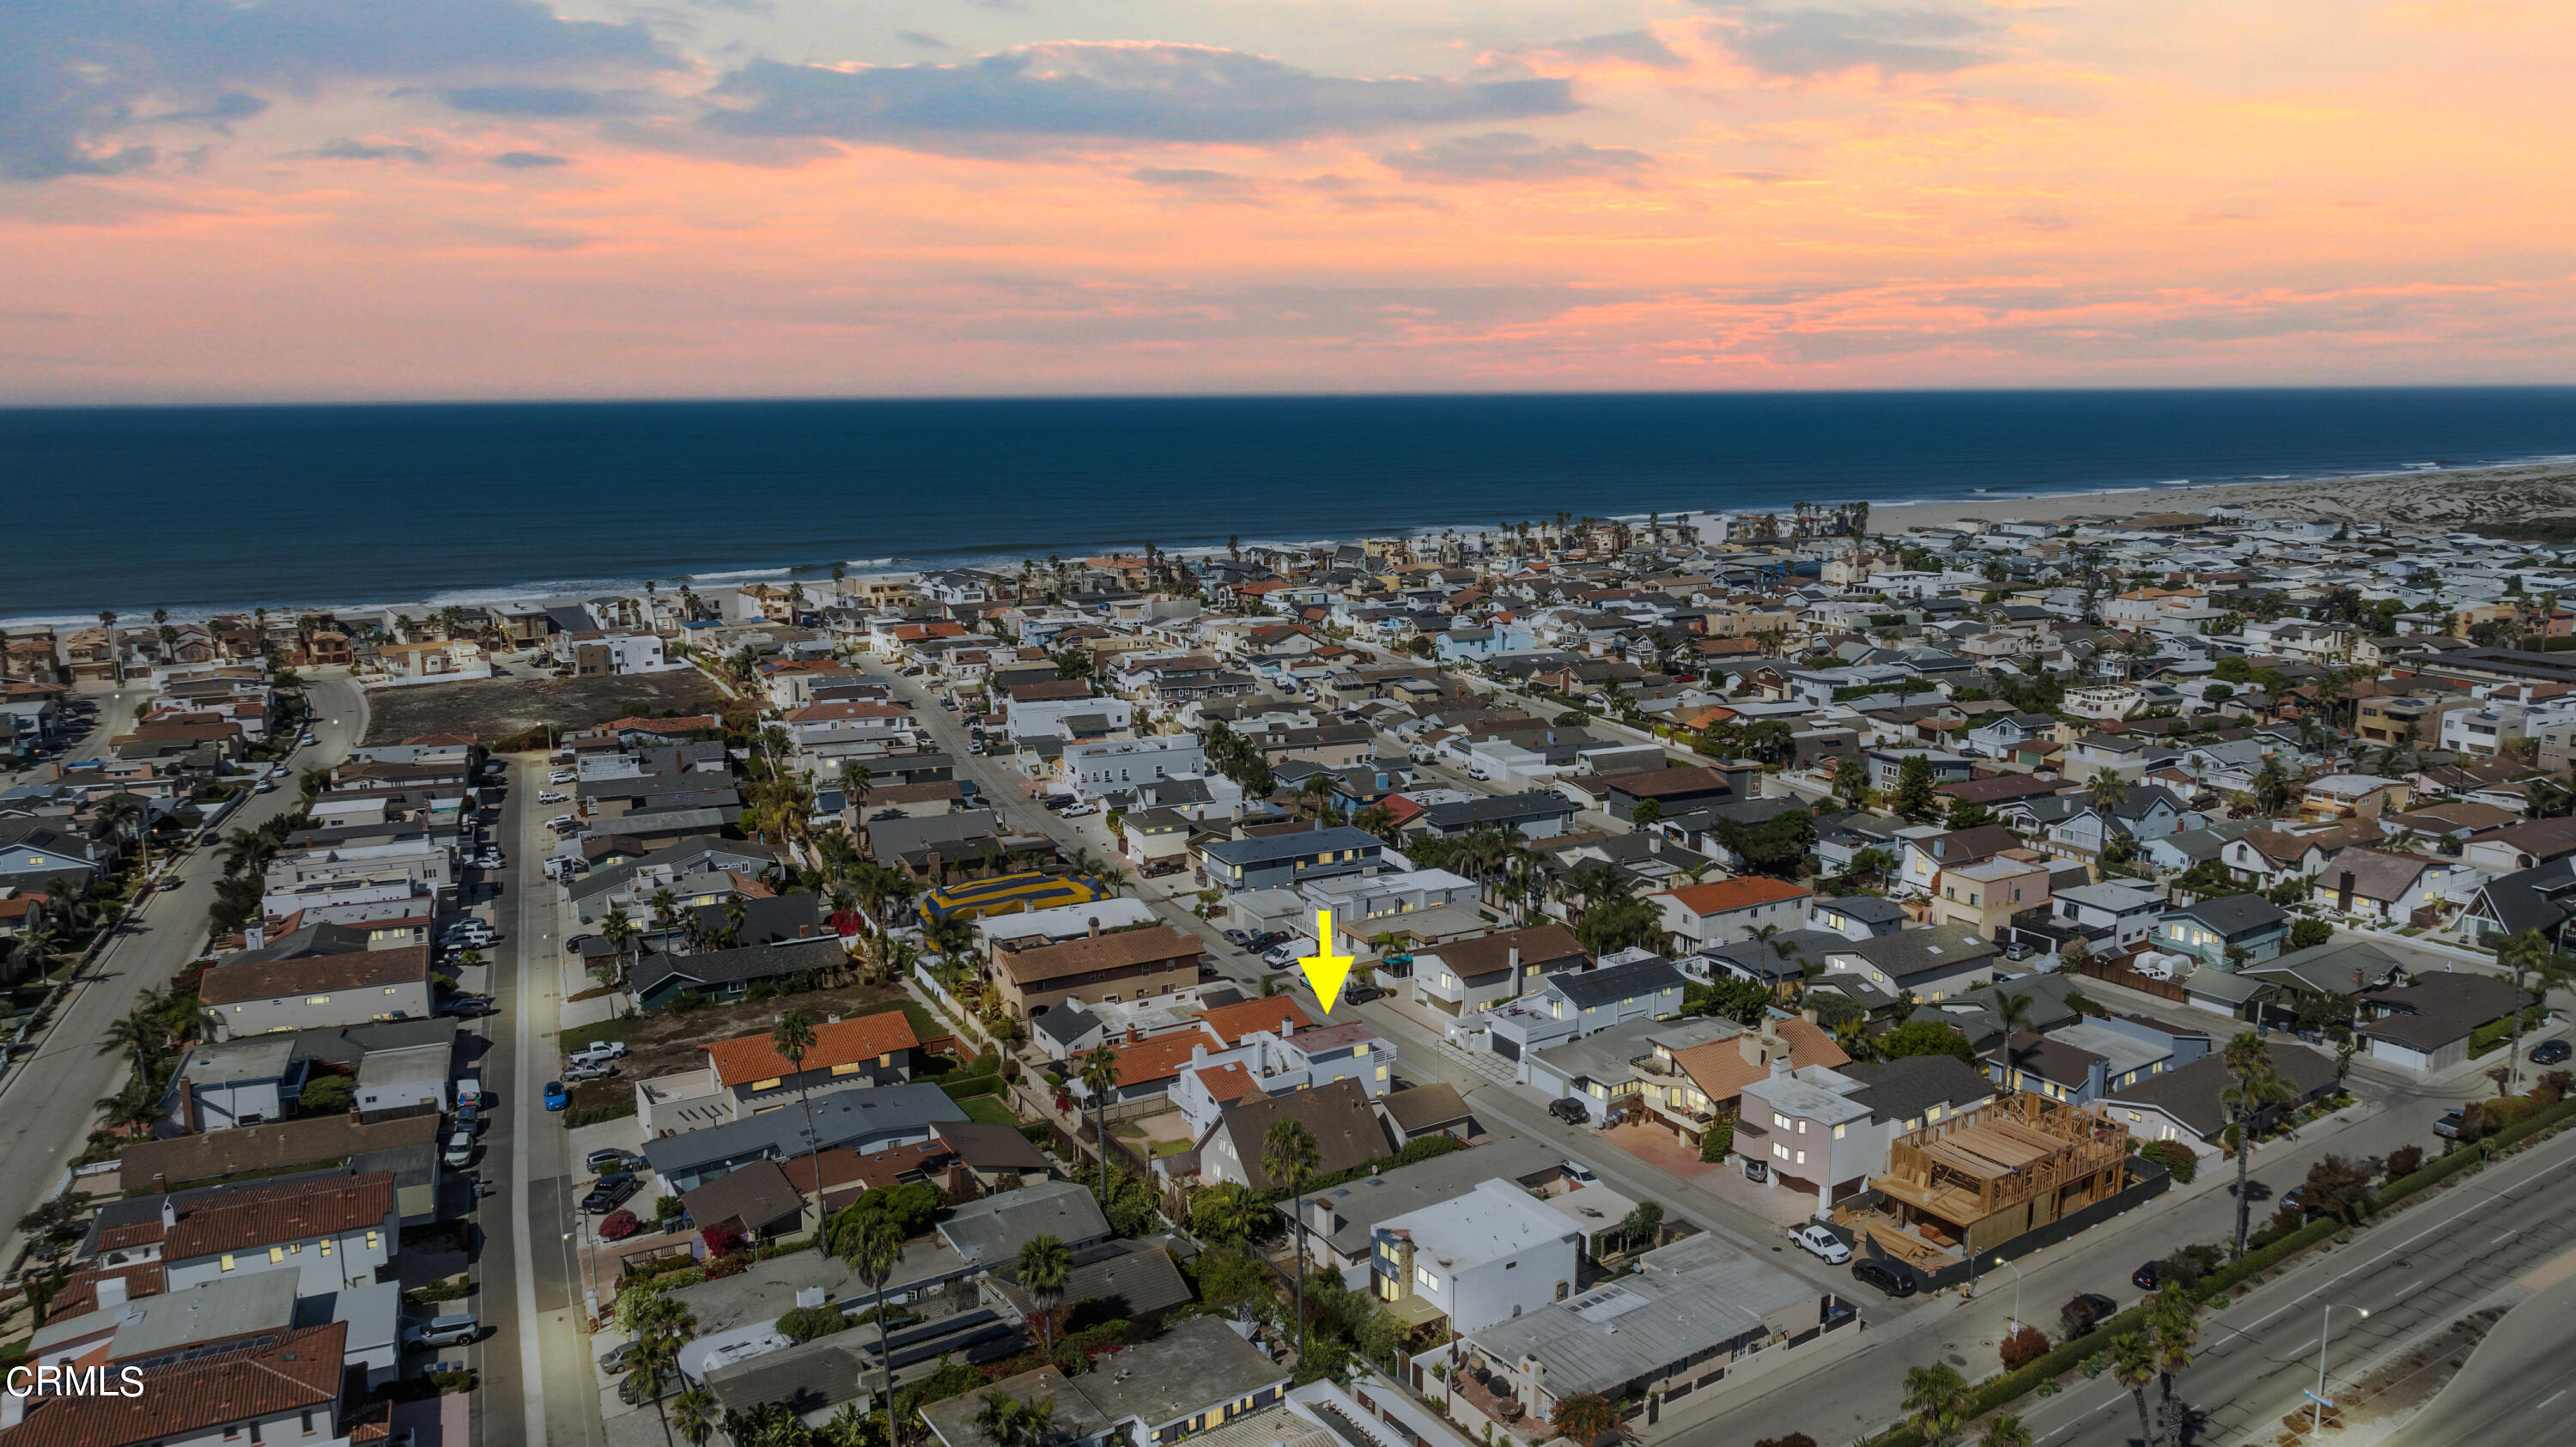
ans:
(854, 1117)
(1617, 982)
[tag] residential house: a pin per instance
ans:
(256, 996)
(2119, 915)
(2189, 1102)
(2425, 1027)
(1284, 860)
(1195, 1378)
(1473, 1260)
(2393, 888)
(1034, 973)
(864, 1050)
(1337, 1114)
(1931, 964)
(1462, 977)
(1724, 911)
(2223, 929)
(1991, 894)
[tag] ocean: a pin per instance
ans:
(196, 509)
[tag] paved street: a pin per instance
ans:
(2414, 1274)
(47, 1102)
(538, 1382)
(2516, 1387)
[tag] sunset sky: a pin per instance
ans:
(205, 200)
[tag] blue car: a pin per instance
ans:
(556, 1096)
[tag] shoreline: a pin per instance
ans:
(2445, 499)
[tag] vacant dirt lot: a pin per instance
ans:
(660, 1041)
(495, 708)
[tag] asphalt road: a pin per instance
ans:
(2516, 1387)
(538, 1386)
(2415, 1273)
(48, 1103)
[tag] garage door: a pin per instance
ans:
(1506, 1048)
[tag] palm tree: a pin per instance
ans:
(2525, 953)
(873, 1251)
(1288, 1156)
(1099, 1077)
(1936, 1402)
(617, 929)
(2133, 1365)
(2107, 791)
(793, 1039)
(118, 812)
(2005, 1430)
(694, 1412)
(2174, 1315)
(1044, 1265)
(2254, 1086)
(1000, 1418)
(649, 1372)
(2014, 1013)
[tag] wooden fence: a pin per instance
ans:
(2130, 979)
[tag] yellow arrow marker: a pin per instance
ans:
(1326, 971)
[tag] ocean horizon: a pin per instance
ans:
(199, 509)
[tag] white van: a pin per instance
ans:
(460, 1149)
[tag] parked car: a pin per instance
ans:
(467, 1007)
(460, 1150)
(615, 1360)
(1279, 955)
(1579, 1173)
(610, 1193)
(1822, 1243)
(1362, 994)
(445, 1331)
(1570, 1109)
(469, 1115)
(560, 821)
(1885, 1277)
(557, 1097)
(2019, 951)
(2551, 1052)
(1081, 809)
(599, 1051)
(264, 786)
(579, 1071)
(2102, 1307)
(560, 776)
(1238, 937)
(2146, 1277)
(608, 1161)
(552, 796)
(2448, 1127)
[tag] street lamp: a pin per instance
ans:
(2016, 1271)
(2317, 1413)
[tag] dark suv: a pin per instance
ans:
(1885, 1277)
(1570, 1109)
(610, 1193)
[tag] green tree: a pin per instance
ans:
(2133, 1365)
(1914, 796)
(2253, 1087)
(792, 1038)
(1645, 812)
(2526, 956)
(1926, 1037)
(873, 1251)
(1936, 1402)
(1044, 1265)
(1288, 1157)
(1851, 781)
(1099, 1076)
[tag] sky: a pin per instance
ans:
(253, 200)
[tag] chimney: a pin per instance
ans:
(1198, 1055)
(1516, 960)
(1654, 843)
(1779, 1067)
(1287, 1026)
(110, 1291)
(1319, 823)
(254, 937)
(2343, 891)
(1132, 1036)
(1095, 926)
(169, 1211)
(187, 1107)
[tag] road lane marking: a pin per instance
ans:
(532, 1386)
(2552, 1397)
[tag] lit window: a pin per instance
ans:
(317, 999)
(1423, 1278)
(276, 1254)
(1838, 1131)
(1780, 1149)
(227, 1262)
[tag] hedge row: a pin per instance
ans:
(965, 1086)
(2005, 1389)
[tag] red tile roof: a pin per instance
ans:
(189, 1399)
(846, 1042)
(243, 1220)
(1233, 1022)
(317, 975)
(1720, 895)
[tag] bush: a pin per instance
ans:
(2024, 1347)
(2177, 1158)
(2308, 933)
(1716, 1141)
(2077, 1317)
(2189, 1264)
(454, 1289)
(621, 1223)
(326, 1095)
(2404, 1161)
(804, 1323)
(724, 1238)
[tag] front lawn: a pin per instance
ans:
(988, 1109)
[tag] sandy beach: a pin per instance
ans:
(2460, 499)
